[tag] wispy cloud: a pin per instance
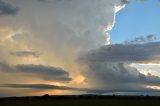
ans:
(26, 53)
(143, 39)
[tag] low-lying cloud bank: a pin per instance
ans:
(38, 86)
(86, 90)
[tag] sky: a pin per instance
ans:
(136, 19)
(66, 47)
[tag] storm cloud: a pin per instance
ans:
(125, 53)
(62, 29)
(7, 9)
(110, 66)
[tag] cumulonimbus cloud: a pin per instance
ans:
(62, 28)
(65, 27)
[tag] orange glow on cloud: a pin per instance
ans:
(153, 87)
(54, 92)
(79, 79)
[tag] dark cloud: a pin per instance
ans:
(40, 71)
(46, 72)
(55, 87)
(7, 9)
(38, 86)
(125, 1)
(123, 91)
(141, 0)
(4, 67)
(110, 67)
(125, 53)
(146, 39)
(26, 53)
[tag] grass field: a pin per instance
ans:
(80, 101)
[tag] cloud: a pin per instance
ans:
(141, 0)
(4, 66)
(48, 73)
(43, 1)
(62, 29)
(125, 1)
(7, 9)
(146, 39)
(110, 67)
(55, 87)
(26, 53)
(72, 22)
(125, 53)
(38, 86)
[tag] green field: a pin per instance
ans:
(82, 102)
